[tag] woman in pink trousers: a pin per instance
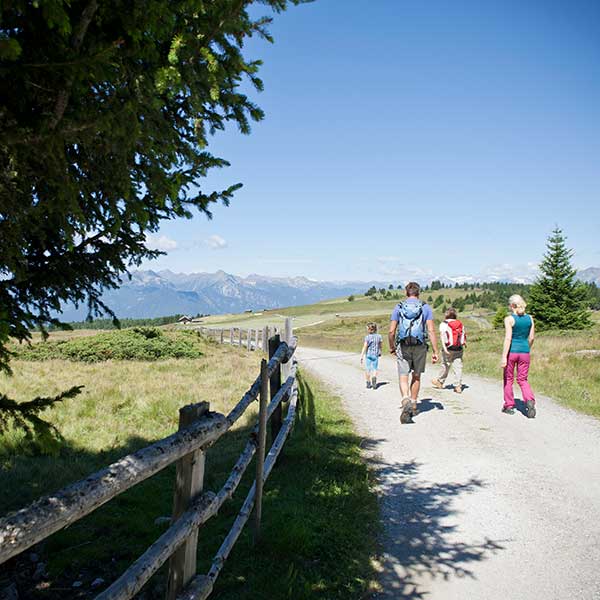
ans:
(518, 340)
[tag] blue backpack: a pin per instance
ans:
(411, 324)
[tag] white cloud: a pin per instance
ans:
(161, 242)
(216, 242)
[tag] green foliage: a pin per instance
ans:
(430, 298)
(438, 301)
(501, 314)
(106, 112)
(557, 299)
(371, 291)
(593, 295)
(139, 343)
(436, 285)
(123, 323)
(351, 298)
(40, 436)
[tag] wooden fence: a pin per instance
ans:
(251, 338)
(192, 505)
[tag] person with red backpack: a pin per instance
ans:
(411, 324)
(454, 340)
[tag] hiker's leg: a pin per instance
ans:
(403, 372)
(509, 378)
(522, 373)
(457, 365)
(404, 386)
(445, 368)
(415, 385)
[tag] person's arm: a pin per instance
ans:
(379, 345)
(392, 336)
(443, 340)
(364, 349)
(433, 338)
(508, 326)
(531, 333)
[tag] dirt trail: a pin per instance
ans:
(476, 504)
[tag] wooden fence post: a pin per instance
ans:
(222, 335)
(275, 385)
(231, 336)
(249, 340)
(189, 482)
(262, 442)
(265, 338)
(256, 339)
(286, 368)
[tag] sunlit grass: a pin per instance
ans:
(319, 512)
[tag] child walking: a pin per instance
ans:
(518, 339)
(454, 340)
(372, 350)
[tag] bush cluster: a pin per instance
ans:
(138, 343)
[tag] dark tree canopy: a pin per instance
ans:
(558, 300)
(105, 112)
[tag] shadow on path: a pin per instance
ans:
(427, 404)
(421, 538)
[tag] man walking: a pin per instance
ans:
(410, 323)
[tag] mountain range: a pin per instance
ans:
(159, 293)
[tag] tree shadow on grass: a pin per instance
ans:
(104, 543)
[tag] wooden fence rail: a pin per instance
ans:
(252, 338)
(199, 428)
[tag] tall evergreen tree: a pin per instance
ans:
(557, 299)
(106, 113)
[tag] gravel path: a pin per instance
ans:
(476, 504)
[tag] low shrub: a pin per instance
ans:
(139, 343)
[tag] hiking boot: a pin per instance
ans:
(368, 385)
(530, 409)
(374, 382)
(458, 389)
(406, 414)
(414, 409)
(508, 410)
(436, 383)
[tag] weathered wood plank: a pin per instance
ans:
(132, 581)
(282, 353)
(203, 587)
(50, 513)
(203, 508)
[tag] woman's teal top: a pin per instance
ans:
(520, 333)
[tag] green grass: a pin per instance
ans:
(319, 512)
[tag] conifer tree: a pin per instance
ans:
(499, 317)
(557, 299)
(106, 113)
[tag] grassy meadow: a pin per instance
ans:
(319, 511)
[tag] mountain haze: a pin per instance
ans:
(160, 293)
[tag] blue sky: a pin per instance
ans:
(440, 137)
